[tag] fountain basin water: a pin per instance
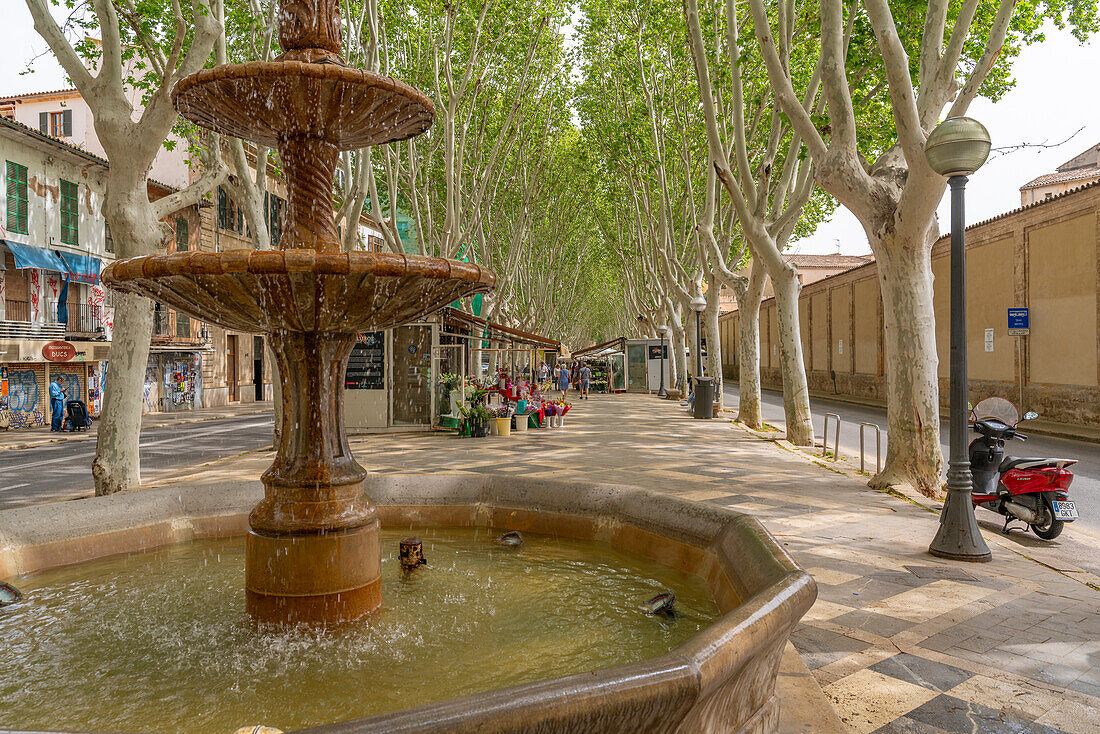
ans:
(722, 679)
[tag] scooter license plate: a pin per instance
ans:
(1065, 510)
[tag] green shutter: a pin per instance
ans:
(44, 122)
(181, 235)
(67, 123)
(17, 198)
(70, 214)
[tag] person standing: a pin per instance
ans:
(585, 380)
(544, 373)
(57, 405)
(563, 381)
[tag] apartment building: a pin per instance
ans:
(55, 316)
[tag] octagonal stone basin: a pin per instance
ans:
(721, 680)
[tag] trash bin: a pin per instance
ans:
(704, 397)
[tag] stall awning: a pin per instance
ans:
(29, 256)
(80, 268)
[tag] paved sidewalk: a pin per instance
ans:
(899, 641)
(31, 437)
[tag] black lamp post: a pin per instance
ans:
(662, 329)
(957, 148)
(698, 305)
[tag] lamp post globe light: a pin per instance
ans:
(957, 148)
(662, 330)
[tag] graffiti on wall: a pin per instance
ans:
(97, 298)
(24, 410)
(149, 390)
(34, 294)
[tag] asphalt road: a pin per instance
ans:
(60, 471)
(1085, 490)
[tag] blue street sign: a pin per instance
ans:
(1019, 321)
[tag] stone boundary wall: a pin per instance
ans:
(1045, 256)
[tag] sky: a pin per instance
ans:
(1051, 101)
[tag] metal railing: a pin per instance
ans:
(169, 326)
(878, 446)
(84, 318)
(836, 436)
(17, 310)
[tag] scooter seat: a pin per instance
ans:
(1020, 462)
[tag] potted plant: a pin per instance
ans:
(479, 421)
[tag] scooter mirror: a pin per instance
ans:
(1030, 415)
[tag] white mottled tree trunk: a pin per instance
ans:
(912, 383)
(796, 393)
(748, 353)
(116, 465)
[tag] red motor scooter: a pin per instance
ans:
(1032, 490)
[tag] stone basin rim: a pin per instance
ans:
(720, 680)
(294, 261)
(206, 84)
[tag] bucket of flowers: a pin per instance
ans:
(475, 420)
(503, 418)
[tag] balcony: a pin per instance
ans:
(15, 323)
(172, 328)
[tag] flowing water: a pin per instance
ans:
(159, 641)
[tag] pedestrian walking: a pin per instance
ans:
(57, 405)
(585, 380)
(563, 381)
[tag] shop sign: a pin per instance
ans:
(59, 351)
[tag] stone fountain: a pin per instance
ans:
(313, 550)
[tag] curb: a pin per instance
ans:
(80, 437)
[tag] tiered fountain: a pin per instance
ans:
(313, 550)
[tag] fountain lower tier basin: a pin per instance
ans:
(269, 101)
(299, 290)
(166, 626)
(720, 678)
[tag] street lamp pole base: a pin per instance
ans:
(959, 538)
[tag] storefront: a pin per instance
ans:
(389, 380)
(632, 365)
(25, 381)
(173, 381)
(403, 379)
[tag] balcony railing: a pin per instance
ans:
(170, 327)
(16, 322)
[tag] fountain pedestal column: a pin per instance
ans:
(313, 551)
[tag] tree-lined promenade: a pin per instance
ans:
(609, 162)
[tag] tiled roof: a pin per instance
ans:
(20, 127)
(1073, 174)
(10, 97)
(1041, 202)
(828, 261)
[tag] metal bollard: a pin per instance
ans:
(836, 437)
(878, 446)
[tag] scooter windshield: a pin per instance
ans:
(997, 408)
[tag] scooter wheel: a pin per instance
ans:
(1050, 531)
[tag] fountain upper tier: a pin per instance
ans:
(271, 101)
(300, 290)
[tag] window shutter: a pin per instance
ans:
(222, 206)
(43, 122)
(67, 123)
